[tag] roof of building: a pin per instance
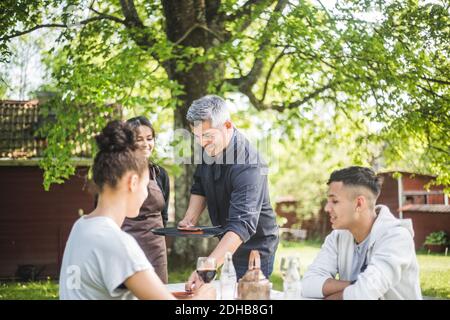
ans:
(19, 122)
(432, 208)
(406, 173)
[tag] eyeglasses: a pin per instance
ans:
(209, 134)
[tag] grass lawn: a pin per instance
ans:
(434, 274)
(434, 268)
(43, 290)
(306, 251)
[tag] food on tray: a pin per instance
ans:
(189, 228)
(182, 294)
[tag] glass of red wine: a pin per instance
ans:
(206, 269)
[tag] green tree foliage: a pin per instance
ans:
(283, 55)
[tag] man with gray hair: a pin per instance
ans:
(232, 181)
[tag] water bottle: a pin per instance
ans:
(292, 284)
(228, 278)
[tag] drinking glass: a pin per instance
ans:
(206, 269)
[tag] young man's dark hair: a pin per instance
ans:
(358, 176)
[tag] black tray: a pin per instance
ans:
(208, 232)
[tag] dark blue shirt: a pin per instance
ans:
(236, 189)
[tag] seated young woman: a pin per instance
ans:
(100, 260)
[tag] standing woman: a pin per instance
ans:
(153, 212)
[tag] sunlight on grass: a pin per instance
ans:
(434, 275)
(434, 268)
(306, 251)
(42, 290)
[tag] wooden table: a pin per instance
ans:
(274, 294)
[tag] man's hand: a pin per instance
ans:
(194, 282)
(186, 222)
(206, 292)
(196, 206)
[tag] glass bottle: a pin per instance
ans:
(228, 278)
(292, 281)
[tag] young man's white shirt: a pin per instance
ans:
(392, 270)
(98, 258)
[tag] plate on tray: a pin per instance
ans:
(196, 232)
(182, 295)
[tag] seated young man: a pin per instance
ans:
(371, 250)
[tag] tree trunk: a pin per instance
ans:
(181, 16)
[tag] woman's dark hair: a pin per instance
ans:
(136, 122)
(358, 176)
(118, 153)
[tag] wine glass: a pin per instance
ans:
(206, 268)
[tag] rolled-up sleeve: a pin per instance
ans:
(197, 187)
(324, 267)
(248, 186)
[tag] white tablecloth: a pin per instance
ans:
(274, 294)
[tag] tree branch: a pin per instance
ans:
(432, 92)
(20, 33)
(439, 149)
(260, 105)
(247, 11)
(310, 96)
(131, 15)
(436, 80)
(51, 25)
(238, 65)
(201, 26)
(277, 59)
(137, 30)
(246, 82)
(106, 16)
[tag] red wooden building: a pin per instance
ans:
(296, 225)
(34, 224)
(407, 197)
